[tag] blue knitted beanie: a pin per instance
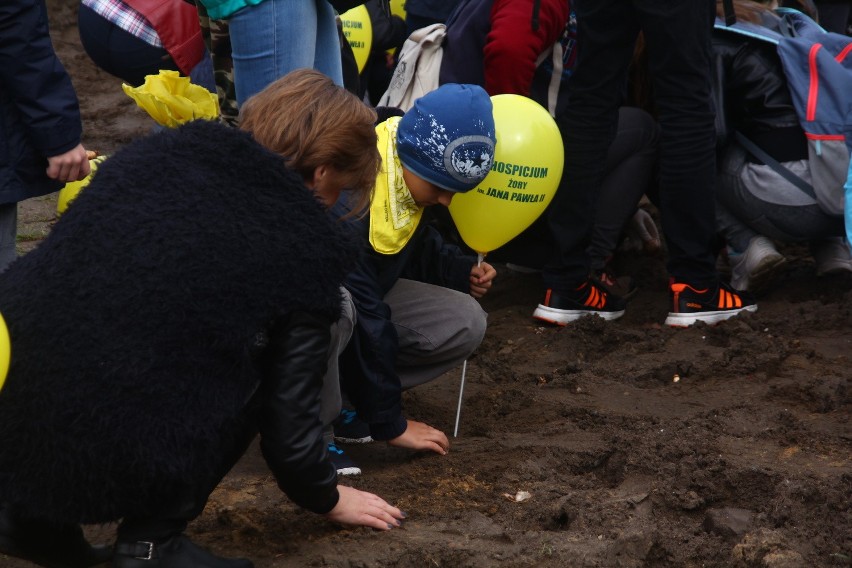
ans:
(447, 137)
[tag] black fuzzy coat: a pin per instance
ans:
(134, 323)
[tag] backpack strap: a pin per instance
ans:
(779, 168)
(730, 15)
(536, 8)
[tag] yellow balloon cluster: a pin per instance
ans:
(358, 30)
(72, 188)
(5, 351)
(527, 167)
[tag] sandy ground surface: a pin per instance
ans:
(745, 461)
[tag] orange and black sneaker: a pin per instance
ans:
(710, 305)
(588, 299)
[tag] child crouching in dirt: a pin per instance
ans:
(417, 316)
(181, 304)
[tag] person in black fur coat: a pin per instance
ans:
(180, 305)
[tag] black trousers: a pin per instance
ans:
(677, 35)
(118, 52)
(173, 515)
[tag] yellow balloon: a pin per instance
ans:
(527, 167)
(5, 351)
(72, 188)
(358, 30)
(398, 8)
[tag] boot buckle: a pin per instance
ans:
(144, 555)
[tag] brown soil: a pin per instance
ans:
(745, 461)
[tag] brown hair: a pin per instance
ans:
(746, 10)
(312, 122)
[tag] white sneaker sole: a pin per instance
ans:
(365, 440)
(676, 319)
(563, 317)
(349, 471)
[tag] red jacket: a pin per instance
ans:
(176, 22)
(512, 47)
(492, 43)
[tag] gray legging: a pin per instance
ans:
(630, 163)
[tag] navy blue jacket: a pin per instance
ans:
(39, 113)
(368, 364)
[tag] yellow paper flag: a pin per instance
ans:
(173, 100)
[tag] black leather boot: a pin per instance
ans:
(176, 552)
(53, 545)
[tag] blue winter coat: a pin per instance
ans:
(39, 113)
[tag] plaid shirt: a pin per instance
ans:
(126, 18)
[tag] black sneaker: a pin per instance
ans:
(349, 429)
(344, 464)
(588, 299)
(710, 305)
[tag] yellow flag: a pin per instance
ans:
(173, 100)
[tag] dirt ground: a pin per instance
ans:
(745, 461)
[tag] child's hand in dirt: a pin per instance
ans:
(420, 436)
(357, 507)
(480, 279)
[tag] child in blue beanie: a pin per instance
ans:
(415, 295)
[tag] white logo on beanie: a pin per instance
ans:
(468, 158)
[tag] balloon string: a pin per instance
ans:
(479, 258)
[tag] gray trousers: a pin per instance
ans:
(330, 399)
(8, 233)
(753, 199)
(438, 329)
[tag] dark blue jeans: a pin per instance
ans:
(677, 35)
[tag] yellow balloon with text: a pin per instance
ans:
(358, 31)
(5, 351)
(527, 167)
(70, 190)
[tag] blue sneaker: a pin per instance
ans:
(349, 429)
(344, 464)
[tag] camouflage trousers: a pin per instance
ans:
(218, 40)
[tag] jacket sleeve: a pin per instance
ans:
(34, 78)
(751, 93)
(512, 47)
(290, 429)
(368, 364)
(435, 261)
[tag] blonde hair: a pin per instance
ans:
(312, 122)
